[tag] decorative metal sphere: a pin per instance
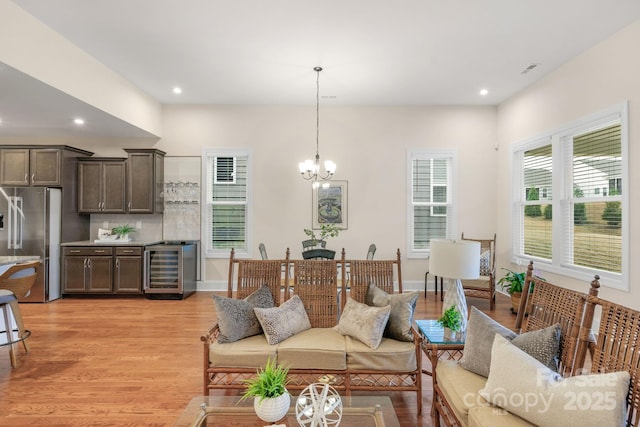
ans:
(319, 405)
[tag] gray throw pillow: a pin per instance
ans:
(363, 322)
(402, 309)
(481, 330)
(542, 344)
(236, 318)
(280, 323)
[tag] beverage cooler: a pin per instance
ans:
(170, 270)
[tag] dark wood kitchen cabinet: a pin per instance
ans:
(87, 270)
(145, 180)
(102, 185)
(127, 278)
(36, 166)
(102, 269)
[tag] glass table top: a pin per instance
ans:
(434, 332)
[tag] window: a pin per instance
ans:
(570, 209)
(228, 197)
(431, 199)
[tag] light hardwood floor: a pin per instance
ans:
(136, 362)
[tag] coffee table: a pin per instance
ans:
(357, 411)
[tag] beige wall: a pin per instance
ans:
(601, 77)
(369, 145)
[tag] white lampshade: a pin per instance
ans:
(454, 259)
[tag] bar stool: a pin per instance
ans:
(16, 283)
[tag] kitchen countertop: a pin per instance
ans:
(5, 260)
(111, 243)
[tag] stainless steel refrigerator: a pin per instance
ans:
(31, 224)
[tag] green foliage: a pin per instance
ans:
(548, 211)
(123, 229)
(579, 209)
(326, 230)
(270, 381)
(514, 282)
(612, 214)
(533, 210)
(451, 318)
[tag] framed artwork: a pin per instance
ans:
(329, 205)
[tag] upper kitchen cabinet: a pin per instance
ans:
(102, 185)
(37, 166)
(145, 180)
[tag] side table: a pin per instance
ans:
(435, 346)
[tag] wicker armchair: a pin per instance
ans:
(485, 286)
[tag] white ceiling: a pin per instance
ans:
(374, 52)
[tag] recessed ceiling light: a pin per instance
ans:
(484, 92)
(78, 121)
(177, 90)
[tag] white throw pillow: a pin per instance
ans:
(525, 387)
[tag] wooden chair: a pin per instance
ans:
(371, 252)
(380, 272)
(16, 282)
(618, 349)
(248, 275)
(316, 283)
(485, 286)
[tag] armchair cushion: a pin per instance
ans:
(485, 263)
(280, 323)
(401, 315)
(236, 317)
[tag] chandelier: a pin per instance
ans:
(310, 169)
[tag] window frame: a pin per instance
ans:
(452, 196)
(562, 181)
(207, 153)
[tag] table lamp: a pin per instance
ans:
(455, 260)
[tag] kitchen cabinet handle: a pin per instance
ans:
(74, 251)
(85, 263)
(99, 251)
(117, 264)
(26, 176)
(33, 177)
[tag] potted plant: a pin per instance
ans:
(314, 247)
(122, 231)
(451, 320)
(268, 388)
(513, 283)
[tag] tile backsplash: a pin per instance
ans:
(148, 227)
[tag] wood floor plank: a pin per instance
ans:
(136, 362)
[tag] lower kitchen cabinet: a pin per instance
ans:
(102, 270)
(128, 271)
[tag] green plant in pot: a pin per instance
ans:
(318, 243)
(451, 320)
(122, 231)
(513, 283)
(268, 388)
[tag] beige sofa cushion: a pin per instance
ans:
(460, 388)
(246, 353)
(391, 355)
(316, 348)
(483, 416)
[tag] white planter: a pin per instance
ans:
(272, 409)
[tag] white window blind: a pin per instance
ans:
(227, 202)
(571, 204)
(431, 200)
(595, 236)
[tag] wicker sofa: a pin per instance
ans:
(463, 398)
(322, 352)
